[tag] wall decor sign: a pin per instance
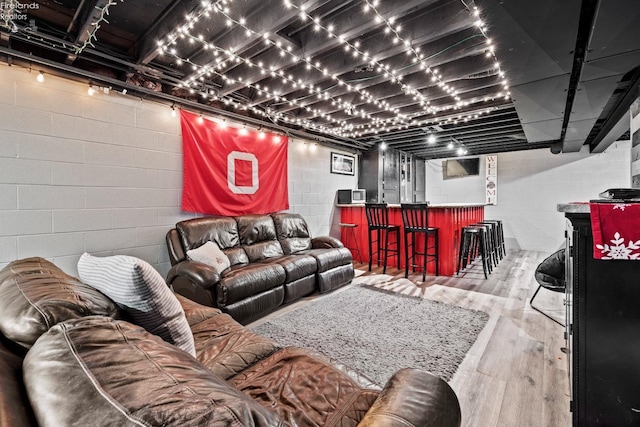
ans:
(492, 180)
(229, 171)
(343, 164)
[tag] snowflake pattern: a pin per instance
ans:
(618, 249)
(620, 206)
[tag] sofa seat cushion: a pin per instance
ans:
(306, 388)
(102, 372)
(242, 281)
(142, 293)
(35, 295)
(329, 258)
(296, 266)
(226, 347)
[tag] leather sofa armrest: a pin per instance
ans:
(326, 242)
(198, 273)
(413, 397)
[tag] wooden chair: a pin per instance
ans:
(416, 222)
(378, 226)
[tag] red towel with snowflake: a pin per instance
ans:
(616, 230)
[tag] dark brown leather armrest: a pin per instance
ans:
(414, 398)
(326, 242)
(198, 273)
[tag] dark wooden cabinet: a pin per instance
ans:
(392, 176)
(602, 332)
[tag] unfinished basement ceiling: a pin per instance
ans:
(435, 78)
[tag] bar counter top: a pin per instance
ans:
(573, 207)
(431, 205)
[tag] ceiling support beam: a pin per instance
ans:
(617, 122)
(588, 13)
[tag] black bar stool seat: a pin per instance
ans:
(416, 222)
(378, 226)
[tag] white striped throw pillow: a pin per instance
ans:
(140, 291)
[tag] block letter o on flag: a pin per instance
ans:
(231, 173)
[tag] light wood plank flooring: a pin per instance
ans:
(516, 373)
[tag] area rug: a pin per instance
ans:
(379, 333)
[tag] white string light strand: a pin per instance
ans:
(104, 11)
(374, 124)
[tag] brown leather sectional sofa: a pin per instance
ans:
(274, 261)
(69, 357)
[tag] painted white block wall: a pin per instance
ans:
(634, 126)
(103, 174)
(530, 185)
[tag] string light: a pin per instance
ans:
(91, 91)
(91, 35)
(40, 77)
(330, 120)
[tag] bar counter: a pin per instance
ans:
(448, 217)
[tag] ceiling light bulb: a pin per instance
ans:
(431, 139)
(383, 146)
(91, 91)
(40, 77)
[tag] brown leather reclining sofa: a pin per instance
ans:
(67, 358)
(274, 261)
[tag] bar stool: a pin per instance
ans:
(378, 223)
(350, 238)
(416, 221)
(499, 236)
(492, 241)
(472, 244)
(488, 246)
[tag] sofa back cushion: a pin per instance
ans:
(35, 295)
(142, 293)
(221, 230)
(258, 237)
(292, 231)
(127, 377)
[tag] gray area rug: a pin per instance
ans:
(379, 333)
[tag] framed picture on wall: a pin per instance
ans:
(343, 164)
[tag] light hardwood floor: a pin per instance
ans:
(515, 375)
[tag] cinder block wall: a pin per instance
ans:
(103, 174)
(531, 184)
(634, 118)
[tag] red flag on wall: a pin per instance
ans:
(230, 171)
